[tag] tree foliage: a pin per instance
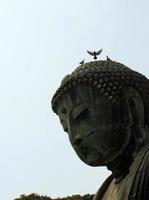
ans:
(35, 196)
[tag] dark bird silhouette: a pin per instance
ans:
(108, 58)
(82, 62)
(95, 54)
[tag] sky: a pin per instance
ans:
(40, 42)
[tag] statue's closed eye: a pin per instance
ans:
(80, 111)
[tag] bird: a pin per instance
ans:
(108, 58)
(95, 54)
(82, 62)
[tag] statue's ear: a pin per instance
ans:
(135, 105)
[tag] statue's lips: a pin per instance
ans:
(90, 155)
(84, 147)
(107, 155)
(87, 152)
(94, 151)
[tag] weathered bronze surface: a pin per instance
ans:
(104, 108)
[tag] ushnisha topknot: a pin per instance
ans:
(108, 77)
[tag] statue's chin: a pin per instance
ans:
(95, 154)
(94, 163)
(95, 159)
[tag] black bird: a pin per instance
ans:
(95, 54)
(108, 58)
(82, 62)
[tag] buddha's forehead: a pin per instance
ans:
(82, 94)
(76, 96)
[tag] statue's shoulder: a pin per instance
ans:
(140, 181)
(103, 188)
(145, 159)
(145, 163)
(140, 187)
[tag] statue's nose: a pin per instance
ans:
(76, 139)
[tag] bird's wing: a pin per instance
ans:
(91, 53)
(99, 52)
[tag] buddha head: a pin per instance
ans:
(103, 107)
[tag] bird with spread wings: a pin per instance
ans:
(95, 53)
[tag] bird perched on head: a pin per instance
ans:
(108, 58)
(94, 53)
(82, 62)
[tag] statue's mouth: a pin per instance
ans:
(95, 151)
(89, 153)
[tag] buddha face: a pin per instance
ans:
(98, 129)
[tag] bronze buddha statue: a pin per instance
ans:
(104, 108)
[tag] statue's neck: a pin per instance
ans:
(120, 167)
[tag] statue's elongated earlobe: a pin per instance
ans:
(136, 108)
(136, 112)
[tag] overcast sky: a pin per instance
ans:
(40, 42)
